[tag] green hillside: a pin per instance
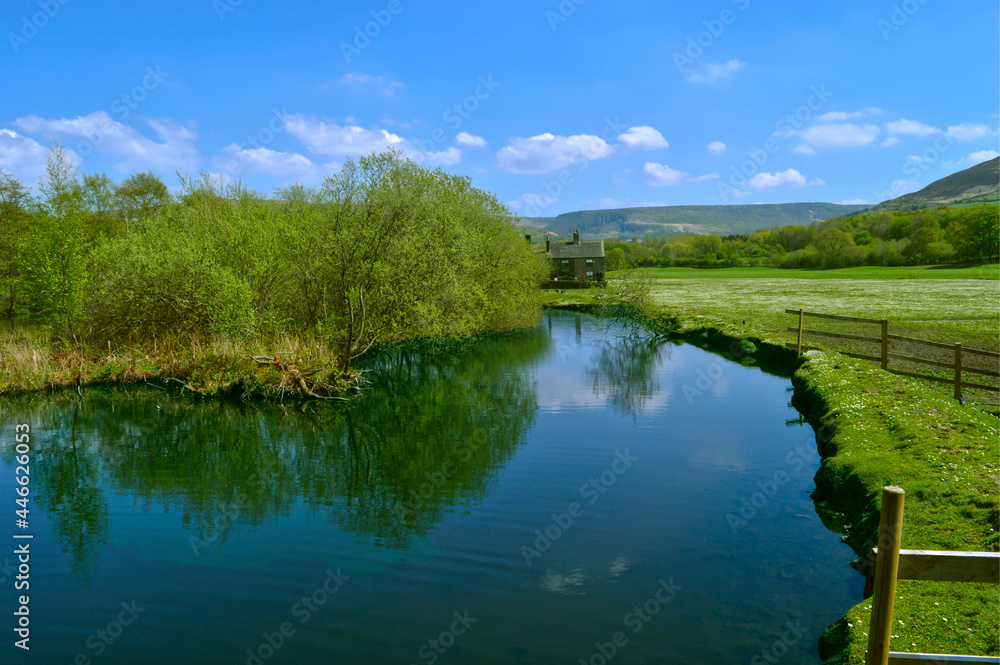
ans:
(978, 184)
(675, 220)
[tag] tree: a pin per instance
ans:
(100, 203)
(15, 217)
(616, 259)
(139, 196)
(54, 265)
(833, 245)
(916, 250)
(976, 235)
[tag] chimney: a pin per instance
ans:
(576, 236)
(527, 236)
(546, 243)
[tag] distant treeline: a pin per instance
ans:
(929, 236)
(382, 250)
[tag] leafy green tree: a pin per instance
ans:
(616, 259)
(15, 219)
(100, 203)
(916, 250)
(139, 196)
(54, 261)
(833, 246)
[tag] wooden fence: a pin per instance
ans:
(883, 341)
(892, 563)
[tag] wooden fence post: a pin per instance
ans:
(885, 344)
(890, 533)
(801, 314)
(958, 371)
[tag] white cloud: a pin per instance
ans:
(340, 141)
(22, 156)
(711, 73)
(804, 150)
(790, 177)
(531, 204)
(644, 138)
(99, 133)
(851, 202)
(968, 131)
(830, 134)
(661, 175)
(910, 127)
(465, 138)
(292, 167)
(545, 153)
(982, 156)
(358, 80)
(918, 159)
(840, 116)
(717, 147)
(702, 178)
(889, 141)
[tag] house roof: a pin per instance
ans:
(587, 249)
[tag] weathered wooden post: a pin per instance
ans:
(885, 344)
(886, 569)
(801, 315)
(958, 371)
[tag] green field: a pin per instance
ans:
(946, 304)
(989, 272)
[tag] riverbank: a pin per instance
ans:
(220, 366)
(876, 429)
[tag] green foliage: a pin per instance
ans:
(15, 217)
(881, 238)
(383, 250)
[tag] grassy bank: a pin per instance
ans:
(875, 429)
(30, 361)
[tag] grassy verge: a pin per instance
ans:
(29, 362)
(875, 429)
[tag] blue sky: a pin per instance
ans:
(554, 106)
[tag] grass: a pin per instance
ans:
(947, 305)
(886, 429)
(990, 272)
(30, 362)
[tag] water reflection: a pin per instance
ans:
(427, 435)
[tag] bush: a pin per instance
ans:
(158, 282)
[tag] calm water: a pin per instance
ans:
(533, 499)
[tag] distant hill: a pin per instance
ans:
(978, 184)
(674, 220)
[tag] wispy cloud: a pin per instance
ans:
(330, 139)
(359, 80)
(100, 133)
(465, 138)
(661, 175)
(23, 156)
(905, 126)
(710, 73)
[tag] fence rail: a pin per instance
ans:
(893, 563)
(883, 340)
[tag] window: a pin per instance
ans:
(565, 260)
(590, 273)
(589, 261)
